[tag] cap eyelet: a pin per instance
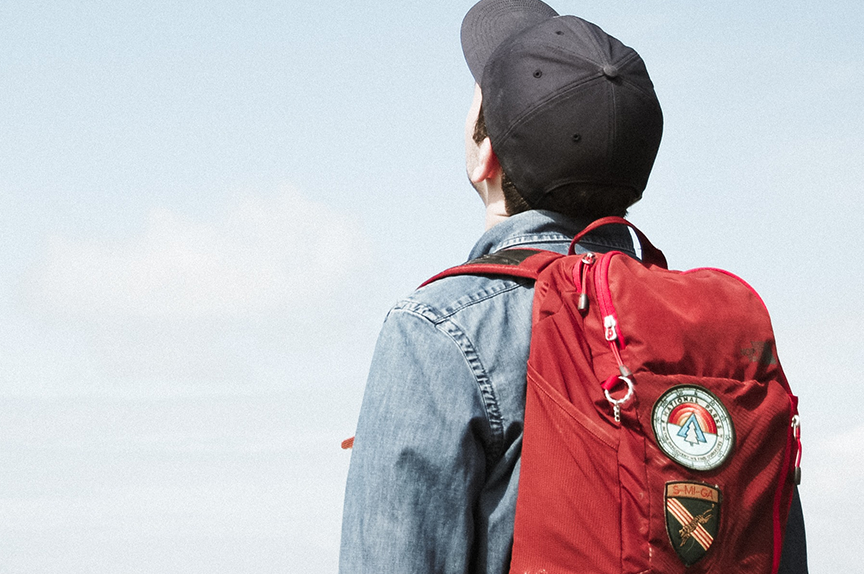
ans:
(538, 73)
(576, 138)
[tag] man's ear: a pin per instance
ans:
(487, 163)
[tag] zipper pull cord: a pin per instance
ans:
(796, 432)
(611, 327)
(580, 278)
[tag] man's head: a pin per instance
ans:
(570, 111)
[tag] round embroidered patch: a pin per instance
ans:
(693, 428)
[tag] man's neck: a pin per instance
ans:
(493, 198)
(496, 212)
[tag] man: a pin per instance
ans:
(563, 129)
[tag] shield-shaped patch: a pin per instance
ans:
(692, 518)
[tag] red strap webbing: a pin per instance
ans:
(526, 263)
(650, 254)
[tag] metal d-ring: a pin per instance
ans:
(617, 403)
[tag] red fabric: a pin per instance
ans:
(591, 491)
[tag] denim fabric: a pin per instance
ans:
(435, 465)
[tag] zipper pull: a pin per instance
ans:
(587, 261)
(609, 325)
(796, 433)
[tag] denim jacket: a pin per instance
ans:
(434, 470)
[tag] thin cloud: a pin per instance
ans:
(264, 255)
(251, 294)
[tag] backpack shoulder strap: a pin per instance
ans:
(525, 263)
(650, 254)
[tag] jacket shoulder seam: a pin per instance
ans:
(488, 396)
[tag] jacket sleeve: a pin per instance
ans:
(418, 461)
(793, 558)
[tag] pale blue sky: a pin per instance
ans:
(206, 209)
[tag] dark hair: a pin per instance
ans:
(578, 200)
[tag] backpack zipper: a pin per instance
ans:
(610, 324)
(612, 331)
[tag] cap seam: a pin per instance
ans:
(612, 117)
(518, 120)
(624, 80)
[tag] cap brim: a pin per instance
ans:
(490, 22)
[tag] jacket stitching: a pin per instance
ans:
(488, 396)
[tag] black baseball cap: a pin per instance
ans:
(490, 22)
(565, 104)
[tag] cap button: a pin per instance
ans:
(610, 71)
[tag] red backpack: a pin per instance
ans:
(660, 432)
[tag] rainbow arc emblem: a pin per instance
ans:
(693, 428)
(692, 518)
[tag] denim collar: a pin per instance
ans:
(534, 227)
